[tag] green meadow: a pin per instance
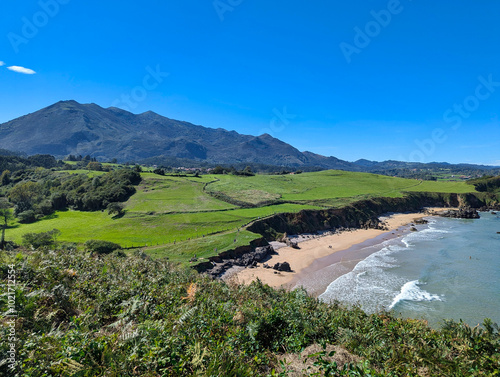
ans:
(179, 217)
(167, 194)
(325, 188)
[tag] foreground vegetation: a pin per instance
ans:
(86, 315)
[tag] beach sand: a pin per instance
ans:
(320, 247)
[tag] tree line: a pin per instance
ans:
(486, 184)
(38, 193)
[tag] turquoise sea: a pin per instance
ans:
(449, 269)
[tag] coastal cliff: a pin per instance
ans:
(363, 214)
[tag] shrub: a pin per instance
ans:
(58, 201)
(27, 217)
(159, 171)
(37, 240)
(94, 166)
(119, 254)
(5, 178)
(101, 247)
(115, 208)
(44, 208)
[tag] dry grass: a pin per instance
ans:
(298, 365)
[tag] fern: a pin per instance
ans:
(187, 315)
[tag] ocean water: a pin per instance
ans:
(449, 269)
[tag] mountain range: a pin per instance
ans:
(68, 127)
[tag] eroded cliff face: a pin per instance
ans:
(474, 200)
(362, 214)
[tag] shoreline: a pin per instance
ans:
(315, 253)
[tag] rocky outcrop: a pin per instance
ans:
(258, 255)
(462, 213)
(420, 221)
(291, 243)
(245, 256)
(490, 207)
(284, 267)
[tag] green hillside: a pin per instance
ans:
(178, 217)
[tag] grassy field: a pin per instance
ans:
(136, 228)
(325, 188)
(443, 186)
(178, 217)
(203, 247)
(166, 194)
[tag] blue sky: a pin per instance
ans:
(408, 80)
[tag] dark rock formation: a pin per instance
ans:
(244, 256)
(218, 269)
(420, 221)
(285, 267)
(258, 255)
(462, 213)
(291, 243)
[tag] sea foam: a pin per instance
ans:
(412, 292)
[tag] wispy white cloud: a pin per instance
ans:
(23, 70)
(1, 63)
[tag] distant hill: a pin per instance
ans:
(402, 168)
(69, 127)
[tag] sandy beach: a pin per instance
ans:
(319, 247)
